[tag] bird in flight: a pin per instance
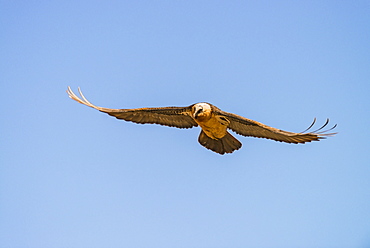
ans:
(214, 124)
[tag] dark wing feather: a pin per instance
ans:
(247, 127)
(168, 116)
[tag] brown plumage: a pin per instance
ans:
(213, 122)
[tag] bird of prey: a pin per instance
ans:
(214, 124)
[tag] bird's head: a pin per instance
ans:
(201, 110)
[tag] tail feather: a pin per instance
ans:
(227, 144)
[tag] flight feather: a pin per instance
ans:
(168, 116)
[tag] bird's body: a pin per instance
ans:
(212, 127)
(213, 122)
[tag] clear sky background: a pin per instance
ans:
(71, 176)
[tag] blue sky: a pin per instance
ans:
(73, 177)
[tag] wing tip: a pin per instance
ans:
(317, 134)
(83, 101)
(320, 132)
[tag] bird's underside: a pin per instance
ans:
(214, 124)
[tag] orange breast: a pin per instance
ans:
(212, 127)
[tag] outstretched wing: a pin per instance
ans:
(168, 116)
(247, 127)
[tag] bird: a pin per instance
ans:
(214, 123)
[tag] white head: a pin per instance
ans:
(201, 109)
